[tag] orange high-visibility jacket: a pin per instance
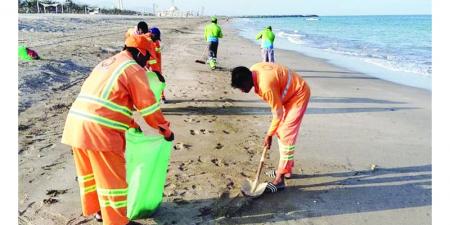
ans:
(153, 50)
(155, 63)
(279, 86)
(130, 32)
(102, 113)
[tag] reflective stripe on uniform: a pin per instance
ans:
(113, 204)
(286, 147)
(288, 84)
(86, 178)
(157, 49)
(115, 75)
(88, 189)
(287, 151)
(149, 110)
(108, 104)
(100, 120)
(152, 61)
(113, 192)
(287, 157)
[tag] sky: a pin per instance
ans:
(276, 7)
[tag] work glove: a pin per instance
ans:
(168, 134)
(160, 77)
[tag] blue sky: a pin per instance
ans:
(268, 7)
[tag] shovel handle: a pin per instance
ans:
(258, 172)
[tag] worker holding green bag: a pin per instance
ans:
(100, 126)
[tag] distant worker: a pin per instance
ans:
(141, 28)
(267, 38)
(212, 34)
(96, 126)
(155, 63)
(288, 96)
(152, 63)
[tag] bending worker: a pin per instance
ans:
(96, 126)
(288, 96)
(267, 38)
(212, 34)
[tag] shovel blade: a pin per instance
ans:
(247, 187)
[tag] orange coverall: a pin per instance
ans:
(155, 60)
(288, 96)
(131, 31)
(96, 126)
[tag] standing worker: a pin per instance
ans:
(96, 126)
(288, 96)
(141, 28)
(156, 62)
(212, 34)
(267, 38)
(152, 63)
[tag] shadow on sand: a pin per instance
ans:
(313, 99)
(242, 110)
(326, 194)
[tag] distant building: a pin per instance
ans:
(173, 11)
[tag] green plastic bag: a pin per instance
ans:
(147, 159)
(156, 85)
(23, 54)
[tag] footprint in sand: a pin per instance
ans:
(215, 161)
(230, 183)
(182, 167)
(182, 146)
(219, 146)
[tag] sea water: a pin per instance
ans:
(394, 48)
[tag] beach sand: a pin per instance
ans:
(363, 155)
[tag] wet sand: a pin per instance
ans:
(353, 121)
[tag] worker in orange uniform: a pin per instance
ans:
(288, 96)
(152, 64)
(156, 62)
(141, 28)
(96, 126)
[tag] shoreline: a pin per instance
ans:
(354, 63)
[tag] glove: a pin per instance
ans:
(168, 134)
(160, 77)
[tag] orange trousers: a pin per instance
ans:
(103, 186)
(288, 129)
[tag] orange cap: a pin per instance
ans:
(140, 42)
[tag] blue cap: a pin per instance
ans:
(155, 32)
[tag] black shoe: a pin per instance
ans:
(98, 216)
(271, 188)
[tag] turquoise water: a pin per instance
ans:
(394, 48)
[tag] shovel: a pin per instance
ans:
(202, 61)
(253, 189)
